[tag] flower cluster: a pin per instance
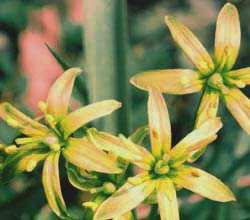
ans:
(99, 162)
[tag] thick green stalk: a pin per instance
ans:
(105, 47)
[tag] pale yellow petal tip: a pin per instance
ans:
(116, 104)
(75, 70)
(230, 9)
(168, 18)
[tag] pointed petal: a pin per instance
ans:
(190, 45)
(167, 201)
(208, 109)
(227, 37)
(159, 123)
(23, 123)
(51, 184)
(198, 138)
(121, 147)
(60, 93)
(205, 184)
(82, 116)
(83, 154)
(239, 106)
(172, 81)
(242, 76)
(124, 200)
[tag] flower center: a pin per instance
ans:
(161, 167)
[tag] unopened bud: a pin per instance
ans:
(31, 164)
(109, 188)
(42, 106)
(161, 167)
(91, 205)
(11, 149)
(12, 122)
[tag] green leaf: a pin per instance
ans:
(58, 58)
(139, 135)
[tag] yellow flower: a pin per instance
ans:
(214, 78)
(165, 169)
(47, 139)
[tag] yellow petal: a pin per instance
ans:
(208, 109)
(83, 154)
(172, 81)
(60, 93)
(167, 201)
(159, 123)
(239, 106)
(121, 147)
(82, 116)
(51, 184)
(241, 75)
(17, 119)
(124, 200)
(227, 37)
(198, 138)
(205, 184)
(190, 45)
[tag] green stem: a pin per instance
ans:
(105, 46)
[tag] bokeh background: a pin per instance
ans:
(27, 69)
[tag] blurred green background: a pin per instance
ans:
(112, 40)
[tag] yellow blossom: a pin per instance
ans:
(48, 139)
(164, 169)
(215, 79)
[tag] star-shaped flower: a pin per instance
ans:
(48, 139)
(163, 170)
(213, 77)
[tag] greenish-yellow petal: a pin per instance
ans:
(208, 108)
(82, 116)
(195, 140)
(205, 184)
(122, 147)
(159, 123)
(51, 184)
(172, 81)
(124, 200)
(240, 77)
(167, 200)
(239, 106)
(227, 37)
(83, 154)
(60, 93)
(15, 118)
(189, 43)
